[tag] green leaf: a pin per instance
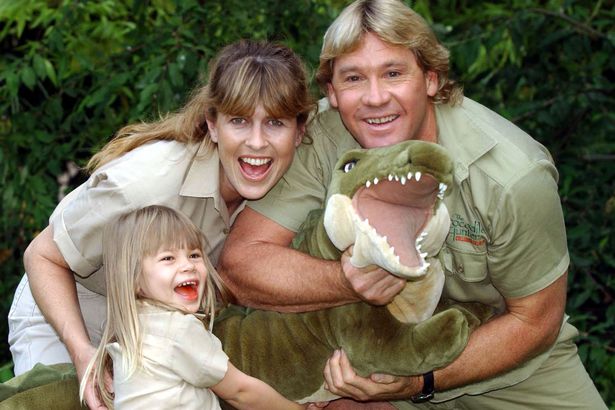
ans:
(28, 77)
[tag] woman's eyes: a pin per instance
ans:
(237, 120)
(276, 123)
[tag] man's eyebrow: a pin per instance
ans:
(344, 69)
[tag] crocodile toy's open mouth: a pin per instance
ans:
(399, 213)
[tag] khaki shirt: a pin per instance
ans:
(181, 360)
(507, 236)
(182, 177)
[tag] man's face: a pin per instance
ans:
(382, 94)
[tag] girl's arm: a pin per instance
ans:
(246, 392)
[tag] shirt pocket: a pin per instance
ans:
(467, 266)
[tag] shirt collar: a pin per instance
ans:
(203, 177)
(462, 135)
(203, 181)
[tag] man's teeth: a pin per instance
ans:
(255, 161)
(381, 120)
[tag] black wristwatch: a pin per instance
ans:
(428, 389)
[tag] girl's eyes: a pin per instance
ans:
(196, 255)
(166, 258)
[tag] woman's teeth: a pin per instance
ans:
(256, 161)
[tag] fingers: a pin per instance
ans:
(341, 379)
(372, 284)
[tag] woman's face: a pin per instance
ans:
(254, 151)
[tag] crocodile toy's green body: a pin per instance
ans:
(398, 190)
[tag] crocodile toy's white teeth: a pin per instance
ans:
(409, 175)
(442, 187)
(390, 177)
(376, 181)
(403, 180)
(441, 195)
(418, 247)
(423, 235)
(423, 255)
(367, 184)
(417, 175)
(396, 178)
(397, 259)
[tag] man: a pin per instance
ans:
(386, 78)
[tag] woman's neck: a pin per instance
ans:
(228, 193)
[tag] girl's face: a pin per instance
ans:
(176, 277)
(254, 151)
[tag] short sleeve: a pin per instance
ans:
(198, 357)
(300, 190)
(528, 250)
(79, 220)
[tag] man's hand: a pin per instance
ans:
(341, 379)
(372, 284)
(90, 396)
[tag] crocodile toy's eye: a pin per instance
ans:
(349, 165)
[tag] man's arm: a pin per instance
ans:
(530, 326)
(262, 271)
(53, 287)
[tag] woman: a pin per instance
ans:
(232, 141)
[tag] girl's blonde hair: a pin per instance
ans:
(126, 242)
(242, 75)
(395, 23)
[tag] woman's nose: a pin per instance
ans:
(257, 139)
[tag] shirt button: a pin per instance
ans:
(459, 268)
(226, 231)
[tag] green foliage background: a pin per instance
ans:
(73, 71)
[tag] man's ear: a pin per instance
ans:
(213, 132)
(331, 95)
(300, 133)
(431, 83)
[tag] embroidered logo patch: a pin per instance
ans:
(462, 231)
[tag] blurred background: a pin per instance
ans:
(73, 72)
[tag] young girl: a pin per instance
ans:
(162, 356)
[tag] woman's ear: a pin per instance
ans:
(213, 132)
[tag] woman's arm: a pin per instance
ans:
(246, 392)
(53, 287)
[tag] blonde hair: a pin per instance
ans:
(396, 24)
(242, 75)
(126, 242)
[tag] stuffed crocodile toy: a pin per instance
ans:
(386, 203)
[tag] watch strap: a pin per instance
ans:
(428, 390)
